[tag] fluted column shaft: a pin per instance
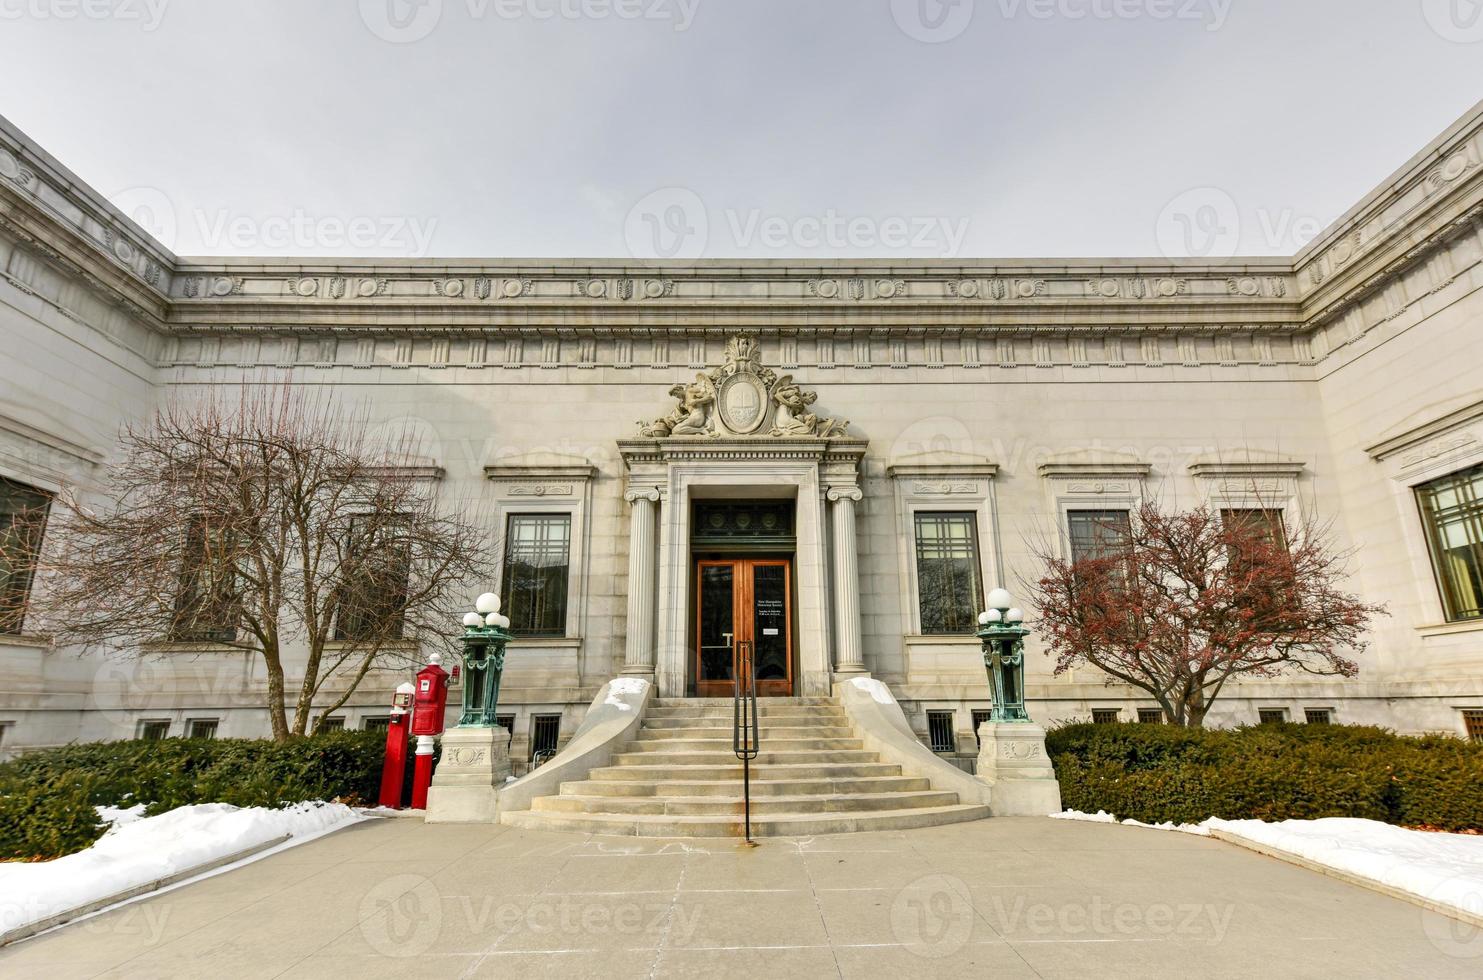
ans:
(849, 658)
(639, 651)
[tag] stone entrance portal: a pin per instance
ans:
(742, 433)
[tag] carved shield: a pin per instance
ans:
(742, 402)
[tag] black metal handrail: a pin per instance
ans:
(746, 733)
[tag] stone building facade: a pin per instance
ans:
(830, 460)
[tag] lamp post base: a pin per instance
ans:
(1012, 759)
(474, 765)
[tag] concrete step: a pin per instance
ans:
(811, 770)
(718, 744)
(770, 728)
(800, 715)
(727, 701)
(760, 787)
(717, 757)
(720, 805)
(763, 825)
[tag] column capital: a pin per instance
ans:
(634, 494)
(850, 492)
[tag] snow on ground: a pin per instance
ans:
(137, 850)
(1443, 868)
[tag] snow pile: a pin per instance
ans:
(117, 816)
(876, 689)
(1443, 868)
(621, 687)
(137, 850)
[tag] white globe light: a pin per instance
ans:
(1000, 599)
(983, 619)
(990, 616)
(492, 619)
(1015, 616)
(504, 622)
(487, 603)
(473, 619)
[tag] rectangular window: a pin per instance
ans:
(201, 728)
(1318, 716)
(940, 731)
(373, 592)
(507, 722)
(949, 588)
(1105, 716)
(1097, 533)
(23, 513)
(334, 723)
(206, 594)
(378, 723)
(545, 733)
(1271, 716)
(1267, 523)
(1452, 511)
(980, 716)
(533, 587)
(1472, 720)
(1150, 716)
(154, 730)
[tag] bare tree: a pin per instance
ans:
(1177, 604)
(264, 522)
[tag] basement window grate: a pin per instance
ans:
(545, 731)
(1105, 716)
(940, 731)
(1150, 716)
(153, 730)
(201, 728)
(1271, 716)
(1472, 720)
(980, 716)
(507, 722)
(1318, 716)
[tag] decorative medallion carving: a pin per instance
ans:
(741, 398)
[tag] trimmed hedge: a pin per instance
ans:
(47, 797)
(1157, 773)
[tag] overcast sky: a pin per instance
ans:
(759, 128)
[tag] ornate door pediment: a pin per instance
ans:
(743, 398)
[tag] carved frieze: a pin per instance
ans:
(740, 398)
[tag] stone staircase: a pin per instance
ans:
(679, 778)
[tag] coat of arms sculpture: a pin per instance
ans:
(743, 398)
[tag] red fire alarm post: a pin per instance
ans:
(429, 705)
(396, 748)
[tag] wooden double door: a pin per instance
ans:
(743, 604)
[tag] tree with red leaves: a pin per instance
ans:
(1178, 603)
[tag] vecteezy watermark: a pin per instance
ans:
(151, 209)
(1211, 13)
(406, 21)
(674, 223)
(1454, 935)
(932, 21)
(1459, 21)
(299, 231)
(403, 916)
(1207, 223)
(146, 13)
(933, 917)
(1101, 918)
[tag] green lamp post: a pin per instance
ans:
(1002, 632)
(485, 634)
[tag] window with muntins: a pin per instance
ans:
(1105, 716)
(949, 587)
(1150, 716)
(23, 513)
(373, 592)
(206, 594)
(1472, 720)
(534, 584)
(1267, 523)
(1097, 533)
(1452, 511)
(1271, 716)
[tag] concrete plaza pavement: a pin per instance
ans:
(1000, 897)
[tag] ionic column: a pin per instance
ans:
(639, 653)
(848, 657)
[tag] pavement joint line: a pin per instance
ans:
(819, 908)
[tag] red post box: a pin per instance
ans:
(429, 705)
(396, 748)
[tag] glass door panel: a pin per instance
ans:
(743, 601)
(716, 628)
(770, 628)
